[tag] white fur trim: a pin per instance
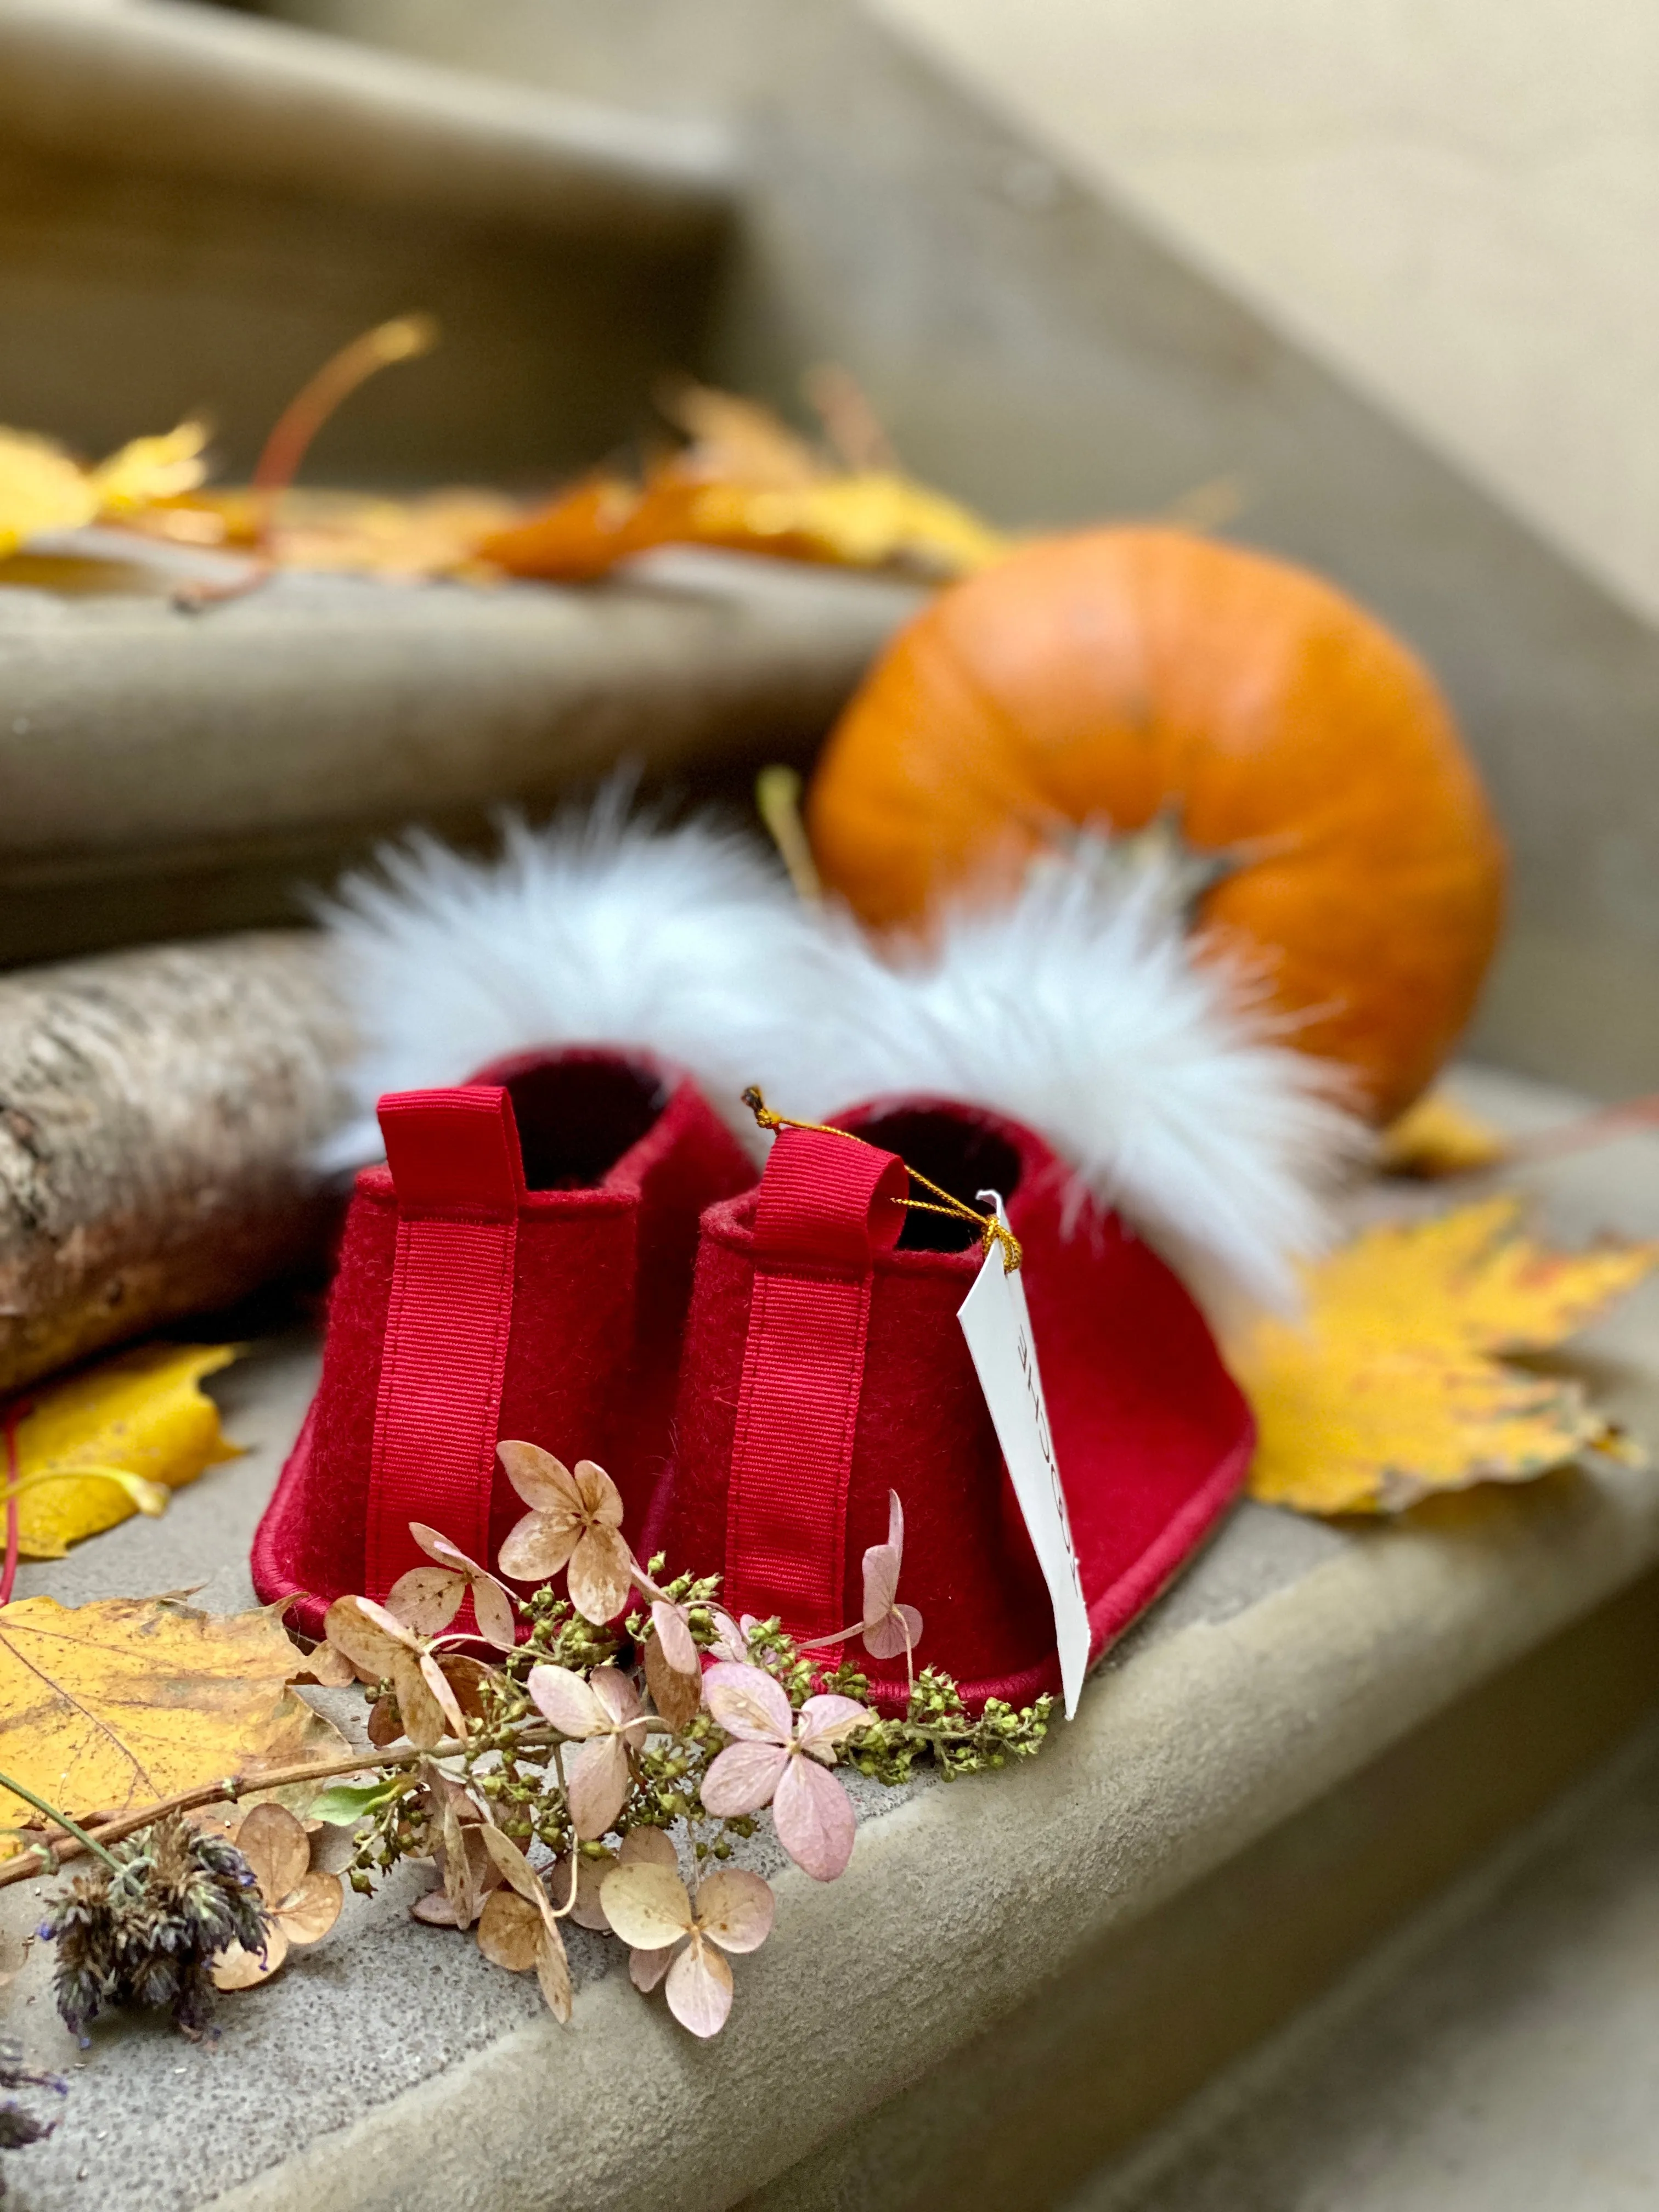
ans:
(1077, 1010)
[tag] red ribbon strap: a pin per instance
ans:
(455, 1163)
(827, 1206)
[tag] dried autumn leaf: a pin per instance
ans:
(150, 469)
(126, 1700)
(1393, 1384)
(42, 489)
(113, 1441)
(1436, 1138)
(336, 533)
(746, 484)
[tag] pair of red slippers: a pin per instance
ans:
(573, 1250)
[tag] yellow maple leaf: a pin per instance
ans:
(865, 521)
(114, 1441)
(1437, 1137)
(109, 1706)
(43, 488)
(148, 469)
(1392, 1384)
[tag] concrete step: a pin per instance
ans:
(1017, 1978)
(169, 773)
(1496, 2055)
(195, 209)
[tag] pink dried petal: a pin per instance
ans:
(616, 1695)
(563, 1697)
(309, 1911)
(358, 1639)
(436, 1909)
(676, 1696)
(598, 1786)
(586, 1910)
(648, 1847)
(881, 1574)
(601, 1575)
(813, 1819)
(492, 1608)
(700, 1988)
(600, 1499)
(647, 1906)
(646, 1968)
(553, 1970)
(509, 1932)
(388, 1623)
(426, 1599)
(824, 1720)
(538, 1545)
(749, 1703)
(730, 1643)
(276, 1848)
(443, 1695)
(735, 1909)
(422, 1715)
(679, 1646)
(438, 1546)
(886, 1638)
(743, 1778)
(544, 1483)
(514, 1868)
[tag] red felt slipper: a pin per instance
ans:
(521, 1266)
(824, 1367)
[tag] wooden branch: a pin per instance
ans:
(157, 1108)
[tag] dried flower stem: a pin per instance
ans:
(88, 1843)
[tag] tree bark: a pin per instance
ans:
(157, 1112)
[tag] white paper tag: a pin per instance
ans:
(998, 1328)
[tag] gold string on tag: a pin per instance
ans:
(991, 1231)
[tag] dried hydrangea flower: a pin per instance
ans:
(383, 1650)
(300, 1906)
(147, 1931)
(889, 1626)
(518, 1929)
(426, 1599)
(673, 1664)
(780, 1759)
(672, 1936)
(604, 1714)
(886, 1626)
(573, 1521)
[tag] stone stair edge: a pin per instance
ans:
(1189, 1752)
(168, 85)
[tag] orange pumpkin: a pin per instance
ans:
(1112, 677)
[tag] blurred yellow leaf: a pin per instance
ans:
(1436, 1138)
(108, 1706)
(866, 521)
(747, 483)
(41, 489)
(1392, 1384)
(141, 1420)
(149, 469)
